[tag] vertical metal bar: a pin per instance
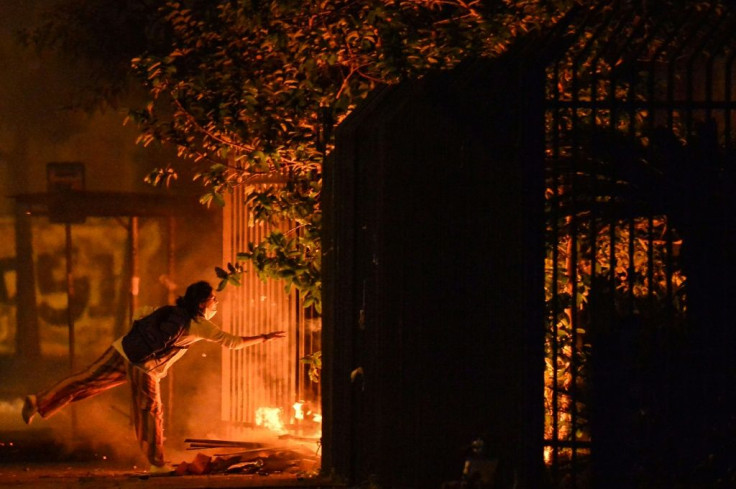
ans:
(623, 22)
(722, 44)
(669, 99)
(653, 69)
(555, 272)
(228, 356)
(555, 444)
(651, 308)
(698, 51)
(171, 258)
(709, 87)
(670, 104)
(134, 278)
(69, 313)
(688, 41)
(632, 132)
(577, 64)
(632, 265)
(651, 120)
(670, 127)
(632, 217)
(650, 261)
(300, 340)
(27, 336)
(728, 90)
(573, 277)
(70, 293)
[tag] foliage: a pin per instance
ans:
(253, 88)
(605, 277)
(314, 361)
(614, 213)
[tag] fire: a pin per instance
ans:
(303, 412)
(298, 411)
(270, 418)
(303, 418)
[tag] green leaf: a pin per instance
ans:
(219, 199)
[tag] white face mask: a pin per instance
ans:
(209, 307)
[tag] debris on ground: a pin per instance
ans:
(246, 458)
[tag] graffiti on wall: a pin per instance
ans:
(7, 301)
(98, 262)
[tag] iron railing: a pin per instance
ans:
(638, 102)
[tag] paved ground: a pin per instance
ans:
(105, 455)
(95, 475)
(35, 458)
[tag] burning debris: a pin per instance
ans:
(243, 457)
(304, 420)
(293, 450)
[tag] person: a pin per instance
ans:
(142, 357)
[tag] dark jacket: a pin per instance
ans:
(154, 336)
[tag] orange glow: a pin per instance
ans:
(305, 417)
(267, 386)
(548, 455)
(567, 350)
(298, 411)
(270, 418)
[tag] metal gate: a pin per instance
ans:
(640, 126)
(268, 377)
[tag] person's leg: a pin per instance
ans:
(147, 414)
(106, 372)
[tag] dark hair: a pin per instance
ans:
(195, 295)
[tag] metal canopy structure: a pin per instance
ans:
(68, 207)
(75, 205)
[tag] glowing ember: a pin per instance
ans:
(270, 418)
(298, 411)
(302, 411)
(548, 455)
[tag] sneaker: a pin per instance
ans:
(30, 408)
(165, 469)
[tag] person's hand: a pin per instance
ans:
(274, 334)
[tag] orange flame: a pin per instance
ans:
(270, 418)
(298, 410)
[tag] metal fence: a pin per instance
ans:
(640, 126)
(270, 375)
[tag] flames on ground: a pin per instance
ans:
(294, 450)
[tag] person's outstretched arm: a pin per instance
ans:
(262, 338)
(208, 331)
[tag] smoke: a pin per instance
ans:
(10, 418)
(103, 426)
(197, 410)
(194, 411)
(93, 430)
